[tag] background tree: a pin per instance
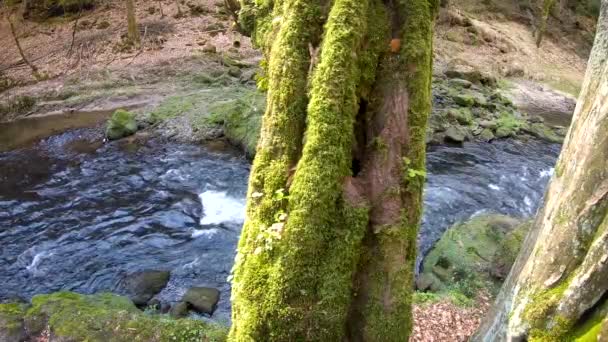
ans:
(179, 10)
(546, 9)
(19, 48)
(557, 289)
(335, 192)
(133, 30)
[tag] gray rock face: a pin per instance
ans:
(202, 299)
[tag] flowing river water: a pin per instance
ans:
(76, 214)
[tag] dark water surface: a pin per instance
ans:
(78, 215)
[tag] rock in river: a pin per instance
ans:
(142, 286)
(121, 124)
(202, 299)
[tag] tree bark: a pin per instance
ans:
(21, 53)
(133, 30)
(547, 7)
(335, 195)
(557, 289)
(179, 9)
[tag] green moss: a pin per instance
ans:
(589, 330)
(463, 116)
(259, 310)
(541, 131)
(11, 321)
(465, 100)
(172, 107)
(108, 317)
(241, 119)
(473, 255)
(539, 314)
(508, 125)
(121, 124)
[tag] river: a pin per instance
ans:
(76, 214)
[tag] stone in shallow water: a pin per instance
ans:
(202, 299)
(179, 310)
(142, 286)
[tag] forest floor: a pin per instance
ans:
(90, 69)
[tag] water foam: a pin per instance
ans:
(219, 208)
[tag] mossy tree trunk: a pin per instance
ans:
(545, 11)
(132, 29)
(335, 196)
(558, 288)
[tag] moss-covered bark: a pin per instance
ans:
(338, 172)
(559, 282)
(545, 11)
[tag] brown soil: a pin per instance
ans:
(165, 40)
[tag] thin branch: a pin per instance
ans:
(74, 33)
(141, 48)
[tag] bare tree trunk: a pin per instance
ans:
(557, 290)
(335, 196)
(179, 9)
(21, 53)
(133, 30)
(233, 7)
(160, 7)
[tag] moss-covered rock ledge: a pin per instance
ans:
(72, 317)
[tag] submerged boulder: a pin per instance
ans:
(202, 299)
(179, 310)
(142, 286)
(121, 124)
(472, 255)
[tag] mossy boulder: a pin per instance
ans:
(463, 116)
(72, 317)
(142, 286)
(461, 70)
(11, 322)
(202, 299)
(465, 100)
(121, 124)
(458, 82)
(486, 135)
(508, 125)
(472, 255)
(455, 134)
(541, 131)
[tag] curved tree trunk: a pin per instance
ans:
(558, 287)
(335, 195)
